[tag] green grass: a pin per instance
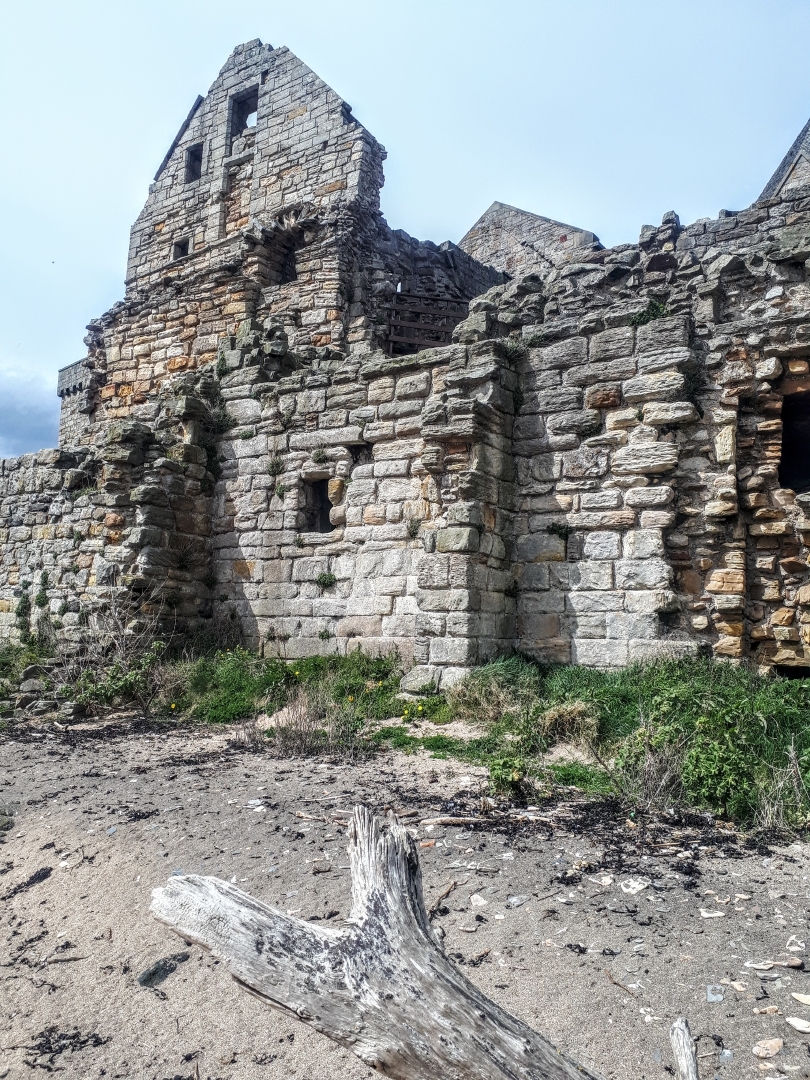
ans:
(235, 684)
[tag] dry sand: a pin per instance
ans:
(104, 815)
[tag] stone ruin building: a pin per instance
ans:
(330, 433)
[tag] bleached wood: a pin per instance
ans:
(683, 1047)
(380, 985)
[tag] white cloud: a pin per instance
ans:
(29, 412)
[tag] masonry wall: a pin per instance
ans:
(593, 472)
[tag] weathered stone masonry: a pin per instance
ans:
(337, 434)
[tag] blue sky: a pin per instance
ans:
(600, 113)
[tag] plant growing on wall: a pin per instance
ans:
(41, 599)
(655, 309)
(22, 614)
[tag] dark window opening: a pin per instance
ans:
(280, 256)
(361, 454)
(317, 507)
(794, 467)
(244, 112)
(180, 249)
(791, 671)
(287, 267)
(194, 160)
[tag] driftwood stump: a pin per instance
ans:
(381, 985)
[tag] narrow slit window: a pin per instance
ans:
(288, 268)
(180, 249)
(317, 507)
(194, 160)
(794, 466)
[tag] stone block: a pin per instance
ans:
(562, 354)
(359, 626)
(542, 603)
(645, 651)
(670, 332)
(308, 568)
(648, 458)
(413, 386)
(608, 499)
(550, 651)
(770, 528)
(457, 540)
(725, 444)
(662, 386)
(612, 344)
(540, 547)
(582, 422)
(603, 545)
(381, 390)
(589, 603)
(657, 519)
(649, 573)
(151, 494)
(589, 575)
(605, 519)
(728, 646)
(620, 419)
(535, 576)
(662, 359)
(557, 399)
(726, 581)
(647, 497)
(584, 463)
(603, 396)
(591, 652)
(661, 413)
(244, 411)
(447, 650)
(536, 627)
(625, 626)
(448, 599)
(608, 371)
(643, 544)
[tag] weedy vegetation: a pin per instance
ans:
(690, 732)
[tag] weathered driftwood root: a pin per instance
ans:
(381, 985)
(683, 1047)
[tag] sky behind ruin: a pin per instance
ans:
(600, 113)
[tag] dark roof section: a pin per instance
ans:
(800, 146)
(179, 135)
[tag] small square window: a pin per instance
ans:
(194, 160)
(180, 249)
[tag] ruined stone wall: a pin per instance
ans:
(412, 453)
(608, 464)
(278, 223)
(648, 444)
